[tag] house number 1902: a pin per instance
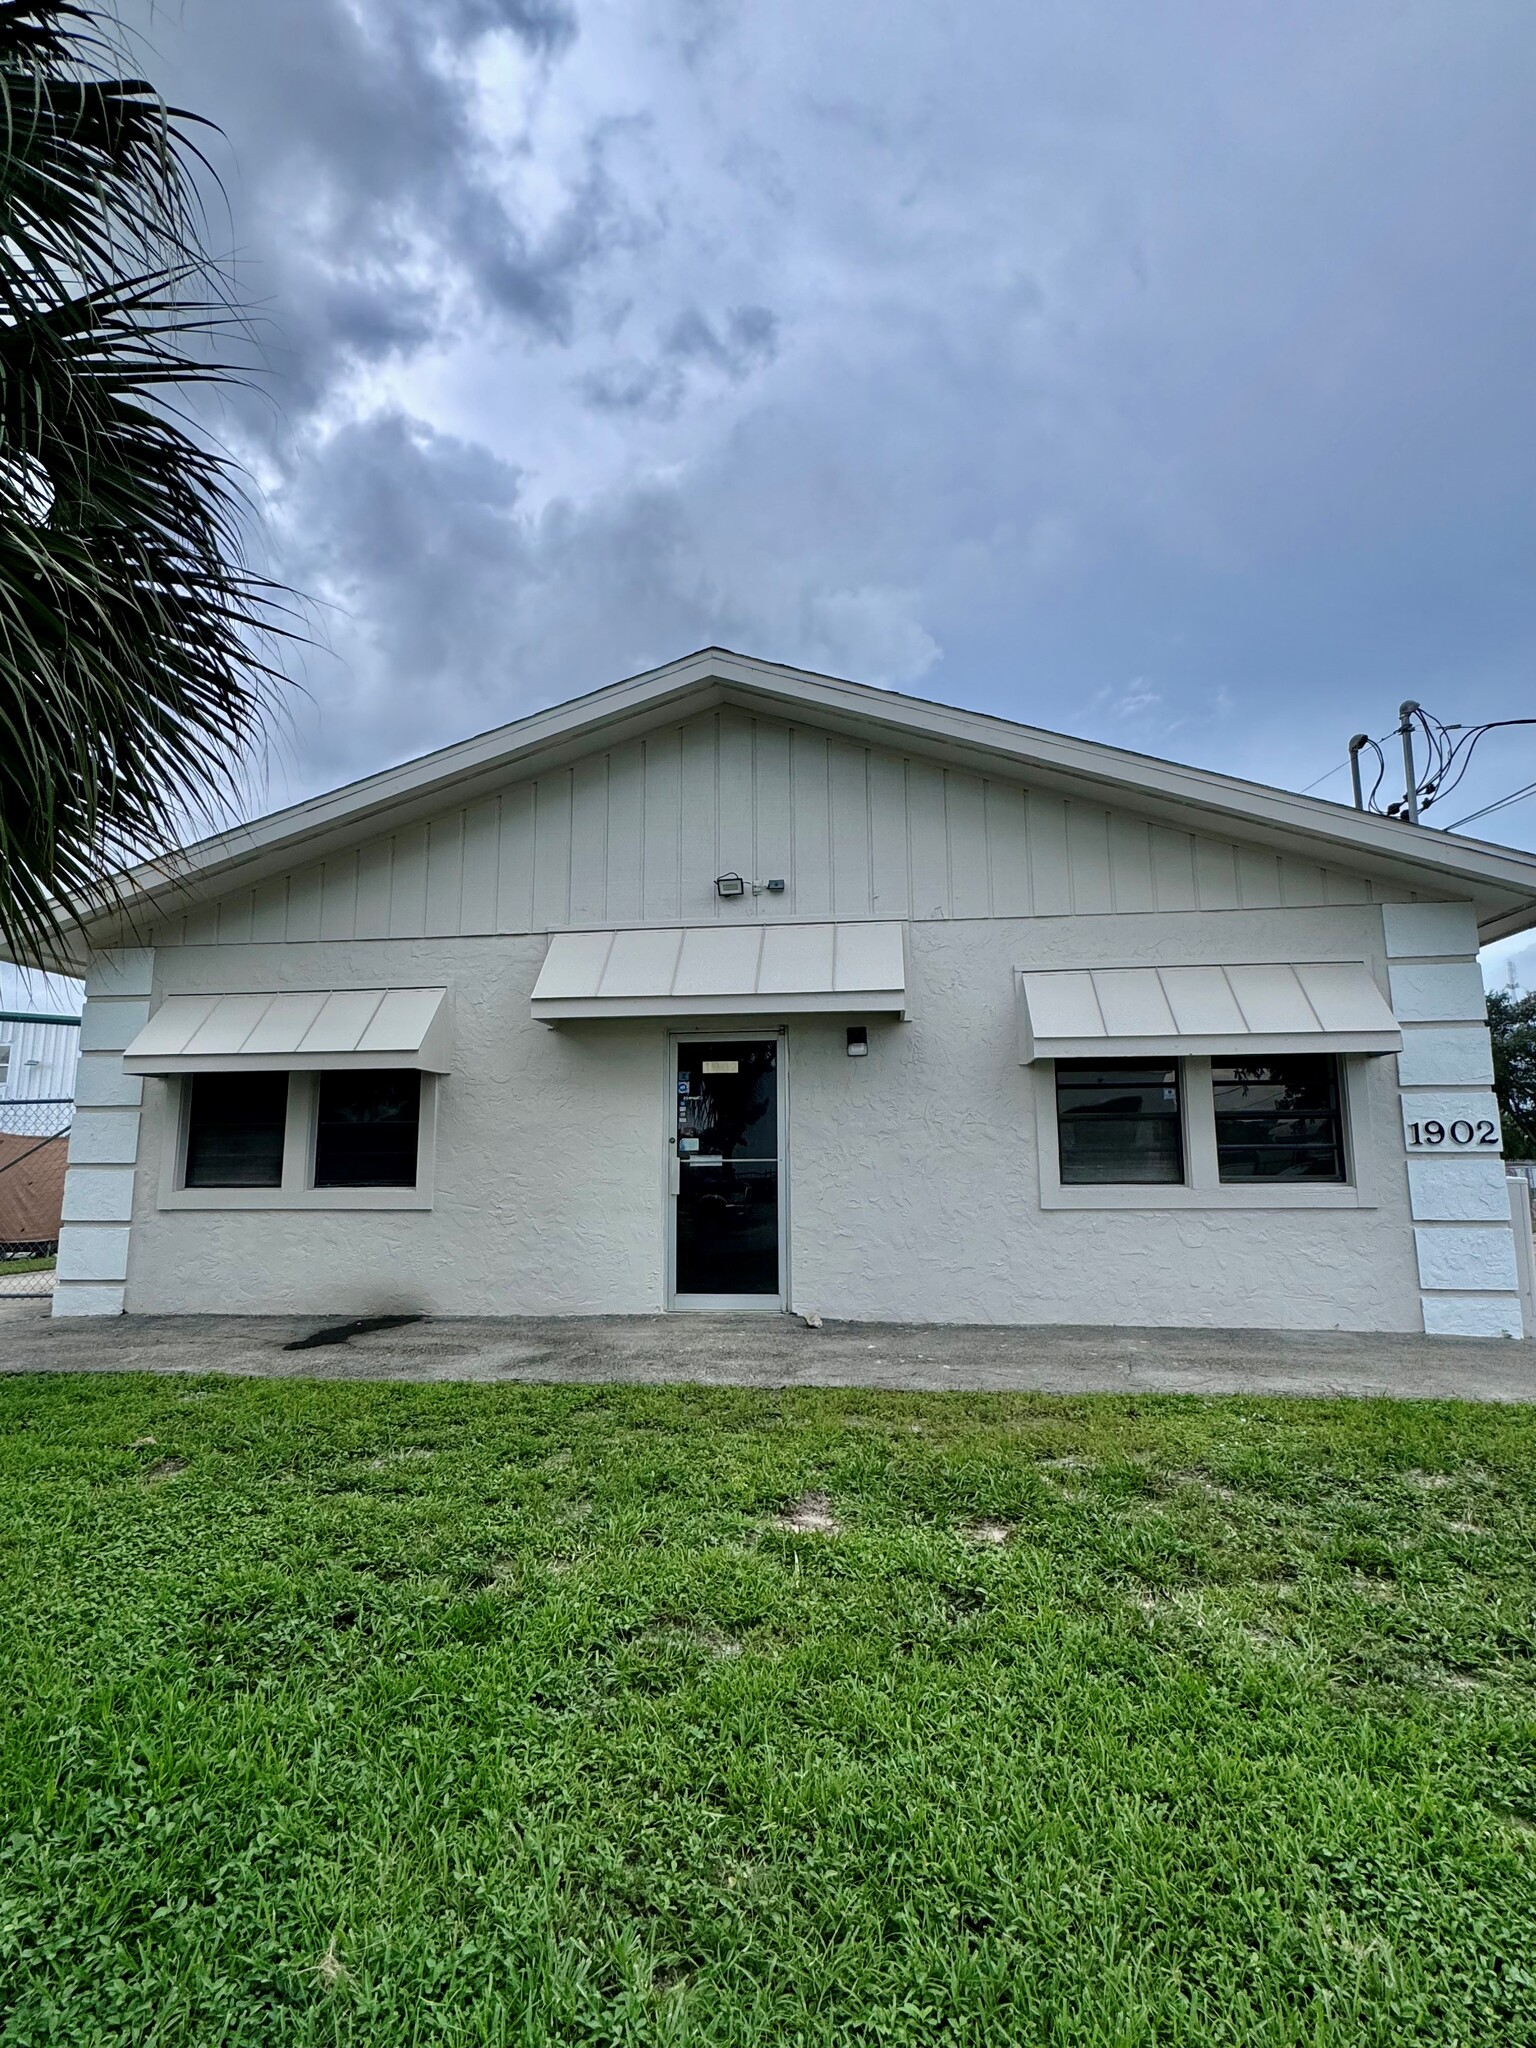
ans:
(1462, 1132)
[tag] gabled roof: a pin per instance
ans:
(1500, 881)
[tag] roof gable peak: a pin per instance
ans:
(1422, 861)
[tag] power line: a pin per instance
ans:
(1450, 750)
(1513, 798)
(1340, 766)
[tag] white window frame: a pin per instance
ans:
(297, 1189)
(5, 1062)
(1202, 1186)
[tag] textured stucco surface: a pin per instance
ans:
(914, 1187)
(1445, 1056)
(1471, 1315)
(1463, 1190)
(1456, 1255)
(99, 1186)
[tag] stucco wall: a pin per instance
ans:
(913, 1174)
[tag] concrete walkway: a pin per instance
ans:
(779, 1351)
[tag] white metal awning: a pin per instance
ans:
(1156, 1012)
(727, 970)
(299, 1030)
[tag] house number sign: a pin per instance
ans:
(1462, 1131)
(1451, 1121)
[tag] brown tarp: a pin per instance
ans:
(31, 1187)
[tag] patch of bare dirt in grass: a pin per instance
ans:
(1264, 1640)
(1202, 1482)
(1382, 1591)
(984, 1533)
(1428, 1482)
(163, 1469)
(410, 1454)
(1151, 1603)
(1444, 1679)
(330, 1969)
(810, 1515)
(710, 1640)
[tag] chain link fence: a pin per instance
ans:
(34, 1144)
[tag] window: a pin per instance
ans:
(1279, 1120)
(366, 1129)
(235, 1130)
(5, 1063)
(1118, 1120)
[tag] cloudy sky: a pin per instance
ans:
(1160, 373)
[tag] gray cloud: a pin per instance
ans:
(1162, 374)
(732, 348)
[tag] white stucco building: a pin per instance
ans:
(733, 985)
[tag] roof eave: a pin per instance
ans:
(1501, 881)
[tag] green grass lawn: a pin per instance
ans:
(27, 1265)
(347, 1713)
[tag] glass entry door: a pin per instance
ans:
(725, 1172)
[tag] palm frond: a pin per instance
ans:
(137, 645)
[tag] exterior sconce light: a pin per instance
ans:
(730, 885)
(858, 1042)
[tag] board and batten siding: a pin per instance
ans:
(636, 835)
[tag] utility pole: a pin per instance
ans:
(1405, 713)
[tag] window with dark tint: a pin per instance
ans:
(1279, 1119)
(1118, 1120)
(235, 1130)
(365, 1133)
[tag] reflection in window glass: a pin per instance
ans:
(1279, 1120)
(1118, 1121)
(235, 1130)
(365, 1132)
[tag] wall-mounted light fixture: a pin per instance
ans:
(858, 1041)
(730, 885)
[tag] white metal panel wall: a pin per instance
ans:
(636, 835)
(41, 1065)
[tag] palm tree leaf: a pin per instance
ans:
(137, 644)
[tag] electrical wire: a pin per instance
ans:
(1449, 760)
(1381, 770)
(1514, 797)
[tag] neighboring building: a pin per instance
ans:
(736, 986)
(39, 1046)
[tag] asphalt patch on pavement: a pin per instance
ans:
(342, 1333)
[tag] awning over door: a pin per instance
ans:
(299, 1030)
(1153, 1012)
(731, 970)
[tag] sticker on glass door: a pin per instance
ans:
(726, 1240)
